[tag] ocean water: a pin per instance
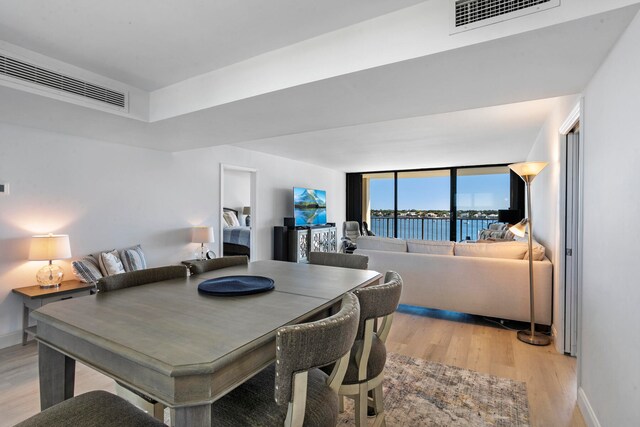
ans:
(429, 228)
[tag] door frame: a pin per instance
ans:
(575, 116)
(254, 206)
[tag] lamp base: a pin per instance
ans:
(50, 276)
(536, 339)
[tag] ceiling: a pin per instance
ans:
(480, 103)
(150, 44)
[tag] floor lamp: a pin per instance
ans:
(528, 171)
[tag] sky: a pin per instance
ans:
(477, 192)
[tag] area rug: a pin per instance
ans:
(418, 392)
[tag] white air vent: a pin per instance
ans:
(40, 76)
(476, 13)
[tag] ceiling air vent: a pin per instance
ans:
(40, 76)
(476, 13)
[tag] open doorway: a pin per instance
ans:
(237, 211)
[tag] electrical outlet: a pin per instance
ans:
(4, 188)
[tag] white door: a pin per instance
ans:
(571, 241)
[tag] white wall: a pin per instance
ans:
(609, 371)
(545, 195)
(111, 196)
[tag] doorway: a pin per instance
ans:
(238, 211)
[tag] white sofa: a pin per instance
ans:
(487, 279)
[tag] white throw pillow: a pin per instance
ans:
(538, 249)
(381, 244)
(110, 263)
(231, 219)
(431, 247)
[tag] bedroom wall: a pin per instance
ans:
(609, 374)
(111, 196)
(545, 195)
(237, 191)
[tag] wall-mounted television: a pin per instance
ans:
(309, 206)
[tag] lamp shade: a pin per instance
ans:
(520, 228)
(49, 247)
(202, 234)
(528, 169)
(246, 210)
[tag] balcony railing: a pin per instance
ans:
(429, 228)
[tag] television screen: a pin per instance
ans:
(309, 206)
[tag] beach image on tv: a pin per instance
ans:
(310, 206)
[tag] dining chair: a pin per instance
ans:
(93, 409)
(365, 371)
(199, 267)
(141, 277)
(334, 259)
(293, 392)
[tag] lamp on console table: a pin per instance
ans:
(47, 248)
(202, 235)
(246, 211)
(528, 171)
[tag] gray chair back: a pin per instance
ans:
(359, 262)
(141, 277)
(378, 300)
(351, 230)
(199, 267)
(312, 345)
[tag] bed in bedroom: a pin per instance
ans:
(236, 238)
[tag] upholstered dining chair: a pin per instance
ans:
(93, 409)
(365, 371)
(141, 277)
(350, 233)
(199, 267)
(334, 259)
(293, 392)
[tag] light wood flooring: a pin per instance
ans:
(459, 340)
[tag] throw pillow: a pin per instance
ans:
(133, 258)
(231, 219)
(86, 270)
(110, 263)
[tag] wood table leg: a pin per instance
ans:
(25, 323)
(57, 376)
(193, 416)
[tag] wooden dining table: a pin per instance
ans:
(178, 346)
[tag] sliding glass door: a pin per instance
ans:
(424, 205)
(378, 199)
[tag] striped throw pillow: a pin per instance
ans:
(86, 270)
(133, 258)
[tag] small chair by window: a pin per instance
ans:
(304, 395)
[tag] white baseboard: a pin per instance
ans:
(587, 410)
(12, 338)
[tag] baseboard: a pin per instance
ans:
(587, 410)
(12, 338)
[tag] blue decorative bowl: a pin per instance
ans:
(229, 286)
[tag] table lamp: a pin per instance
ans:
(48, 248)
(202, 235)
(246, 211)
(528, 171)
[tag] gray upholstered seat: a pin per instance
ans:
(141, 277)
(304, 395)
(365, 370)
(350, 233)
(92, 409)
(199, 267)
(360, 262)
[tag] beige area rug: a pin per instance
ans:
(418, 392)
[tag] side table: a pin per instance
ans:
(34, 297)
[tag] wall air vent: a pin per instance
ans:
(476, 13)
(40, 76)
